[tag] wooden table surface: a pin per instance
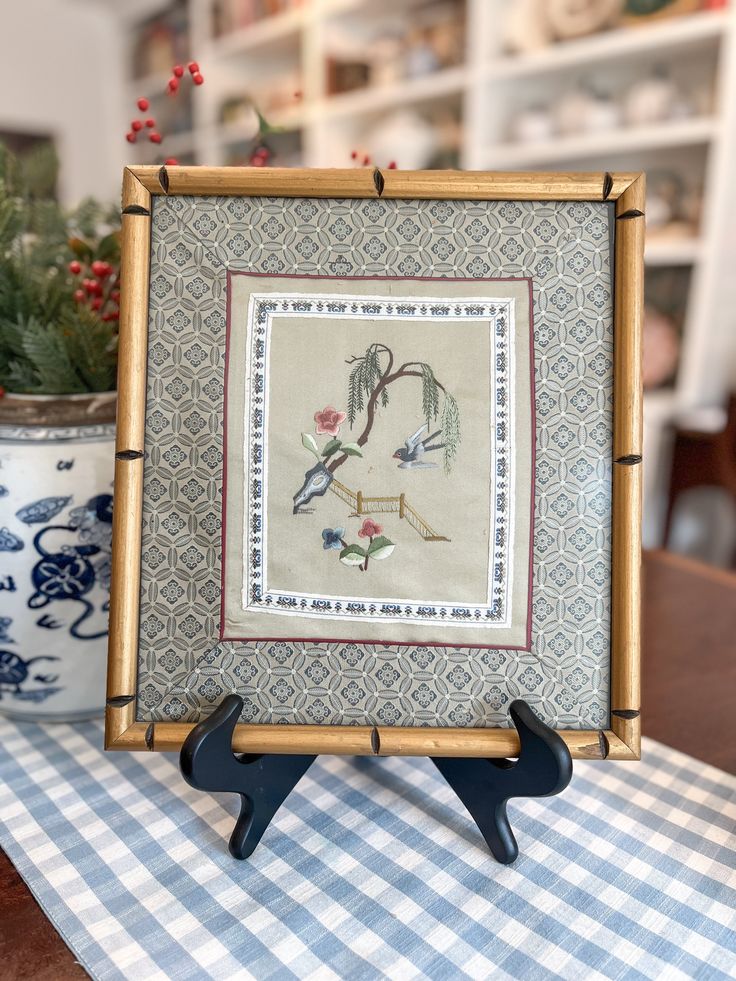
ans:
(688, 681)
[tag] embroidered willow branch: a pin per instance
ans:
(371, 375)
(367, 378)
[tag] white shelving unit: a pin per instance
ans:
(483, 91)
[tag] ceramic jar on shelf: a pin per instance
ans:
(56, 473)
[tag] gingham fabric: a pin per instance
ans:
(372, 869)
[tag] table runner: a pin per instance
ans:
(371, 869)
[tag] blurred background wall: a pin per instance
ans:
(62, 70)
(477, 84)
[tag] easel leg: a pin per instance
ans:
(263, 782)
(544, 768)
(484, 786)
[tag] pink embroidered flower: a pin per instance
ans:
(370, 529)
(329, 421)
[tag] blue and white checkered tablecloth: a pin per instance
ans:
(372, 869)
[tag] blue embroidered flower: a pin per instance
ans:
(332, 537)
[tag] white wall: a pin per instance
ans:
(61, 71)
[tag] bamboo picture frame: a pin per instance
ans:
(620, 740)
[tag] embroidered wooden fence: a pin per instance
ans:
(386, 505)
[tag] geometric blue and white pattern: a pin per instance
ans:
(565, 248)
(372, 869)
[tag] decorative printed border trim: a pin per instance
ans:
(257, 596)
(55, 434)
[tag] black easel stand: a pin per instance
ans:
(544, 768)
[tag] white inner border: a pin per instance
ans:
(366, 608)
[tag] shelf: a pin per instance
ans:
(672, 252)
(276, 31)
(623, 43)
(485, 87)
(686, 132)
(451, 81)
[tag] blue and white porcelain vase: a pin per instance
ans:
(56, 473)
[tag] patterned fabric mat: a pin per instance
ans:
(371, 869)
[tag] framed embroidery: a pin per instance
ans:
(378, 459)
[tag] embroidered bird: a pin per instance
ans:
(412, 452)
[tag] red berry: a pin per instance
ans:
(97, 303)
(155, 137)
(354, 155)
(193, 67)
(115, 296)
(392, 165)
(143, 104)
(366, 160)
(101, 269)
(173, 85)
(131, 137)
(171, 162)
(257, 162)
(75, 267)
(92, 286)
(263, 151)
(150, 122)
(136, 125)
(79, 296)
(114, 315)
(178, 71)
(197, 78)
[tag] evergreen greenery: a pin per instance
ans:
(50, 342)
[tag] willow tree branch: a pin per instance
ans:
(386, 380)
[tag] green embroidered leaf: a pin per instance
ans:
(430, 394)
(380, 548)
(331, 447)
(352, 449)
(450, 430)
(373, 366)
(310, 443)
(355, 393)
(352, 555)
(364, 378)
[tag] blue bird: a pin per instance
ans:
(412, 452)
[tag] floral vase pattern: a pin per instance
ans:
(56, 472)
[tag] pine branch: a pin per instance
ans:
(87, 218)
(92, 346)
(47, 354)
(19, 376)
